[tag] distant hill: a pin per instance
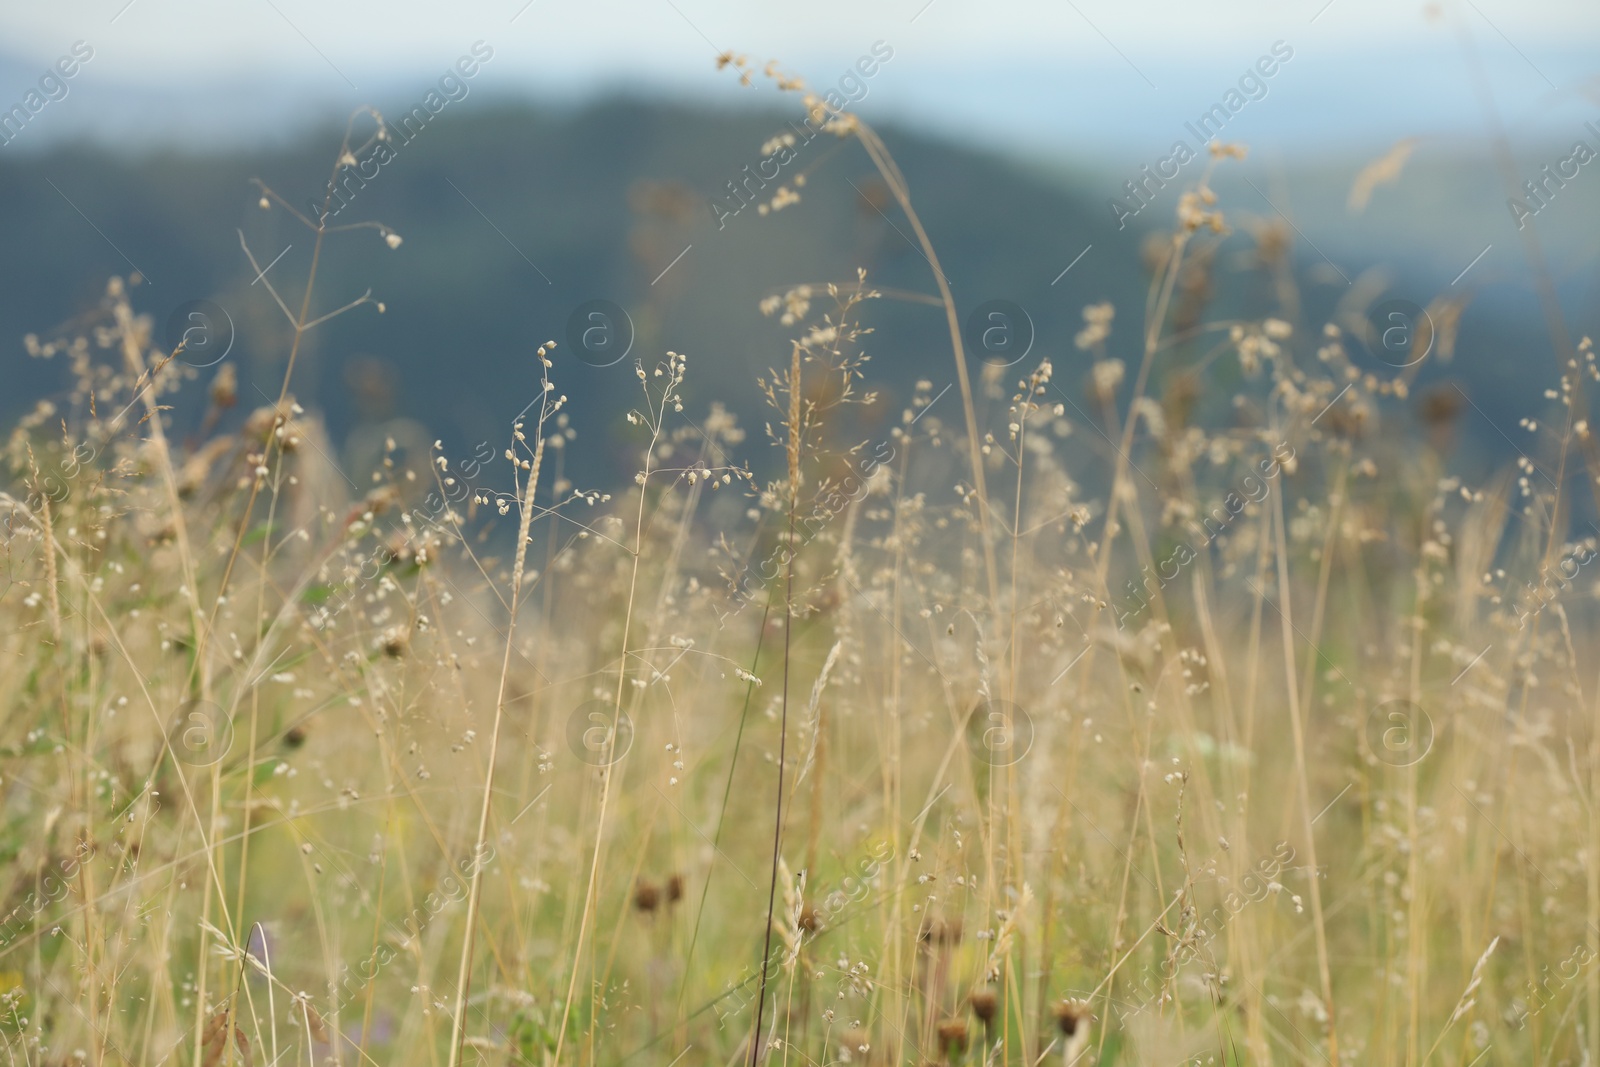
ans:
(513, 217)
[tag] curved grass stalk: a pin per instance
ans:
(525, 494)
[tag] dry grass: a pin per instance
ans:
(1112, 722)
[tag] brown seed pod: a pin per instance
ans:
(1069, 1016)
(984, 1004)
(214, 1038)
(313, 1020)
(395, 642)
(953, 1036)
(646, 897)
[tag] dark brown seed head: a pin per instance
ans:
(674, 888)
(646, 896)
(984, 1004)
(294, 736)
(953, 1036)
(1069, 1016)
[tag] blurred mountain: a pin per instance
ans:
(513, 218)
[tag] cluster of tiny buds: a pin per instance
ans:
(710, 476)
(1022, 404)
(1194, 213)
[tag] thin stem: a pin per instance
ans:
(783, 718)
(464, 967)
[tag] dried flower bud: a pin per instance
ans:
(1070, 1015)
(953, 1036)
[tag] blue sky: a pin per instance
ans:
(1080, 79)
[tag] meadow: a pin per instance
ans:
(1186, 708)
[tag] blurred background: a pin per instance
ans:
(584, 157)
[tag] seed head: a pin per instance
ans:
(984, 1004)
(1070, 1014)
(395, 641)
(953, 1036)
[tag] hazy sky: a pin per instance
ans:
(164, 40)
(1055, 76)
